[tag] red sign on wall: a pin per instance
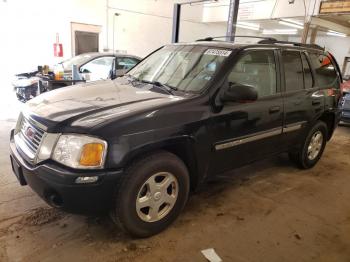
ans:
(58, 50)
(57, 47)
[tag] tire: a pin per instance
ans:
(145, 183)
(309, 154)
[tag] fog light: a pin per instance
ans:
(86, 179)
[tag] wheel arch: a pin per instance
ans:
(329, 119)
(182, 147)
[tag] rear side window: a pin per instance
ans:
(293, 70)
(308, 81)
(256, 69)
(325, 72)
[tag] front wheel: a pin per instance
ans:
(312, 148)
(152, 194)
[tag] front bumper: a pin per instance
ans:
(56, 184)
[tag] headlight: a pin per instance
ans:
(80, 151)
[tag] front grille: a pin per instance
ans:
(30, 137)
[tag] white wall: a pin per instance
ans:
(28, 28)
(338, 46)
(260, 9)
(144, 25)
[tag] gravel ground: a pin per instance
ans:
(269, 211)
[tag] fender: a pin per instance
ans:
(184, 146)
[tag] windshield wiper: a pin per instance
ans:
(165, 87)
(169, 89)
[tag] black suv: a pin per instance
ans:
(137, 145)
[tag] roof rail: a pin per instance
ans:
(274, 41)
(211, 38)
(266, 40)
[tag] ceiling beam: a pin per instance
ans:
(330, 25)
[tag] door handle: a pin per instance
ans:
(316, 103)
(274, 109)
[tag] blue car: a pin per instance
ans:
(345, 105)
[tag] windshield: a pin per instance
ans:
(186, 68)
(76, 60)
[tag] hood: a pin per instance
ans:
(80, 101)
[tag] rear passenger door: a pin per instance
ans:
(301, 98)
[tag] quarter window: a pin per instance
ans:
(256, 69)
(308, 81)
(293, 70)
(325, 71)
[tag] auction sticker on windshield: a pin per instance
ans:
(218, 52)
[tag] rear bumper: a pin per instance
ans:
(56, 185)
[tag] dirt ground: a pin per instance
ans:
(269, 211)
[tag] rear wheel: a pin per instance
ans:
(152, 194)
(312, 148)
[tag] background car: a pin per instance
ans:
(96, 66)
(345, 107)
(91, 67)
(345, 86)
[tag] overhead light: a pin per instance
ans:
(292, 21)
(286, 30)
(280, 32)
(247, 25)
(290, 24)
(335, 33)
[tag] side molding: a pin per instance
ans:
(260, 135)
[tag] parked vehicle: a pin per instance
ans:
(345, 86)
(345, 106)
(91, 66)
(26, 85)
(137, 145)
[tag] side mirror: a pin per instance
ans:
(239, 93)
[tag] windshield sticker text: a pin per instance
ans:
(218, 52)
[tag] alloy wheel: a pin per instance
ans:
(157, 197)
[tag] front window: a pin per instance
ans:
(256, 69)
(185, 68)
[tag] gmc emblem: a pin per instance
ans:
(30, 133)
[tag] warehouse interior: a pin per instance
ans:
(269, 210)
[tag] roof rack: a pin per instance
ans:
(274, 41)
(211, 38)
(267, 40)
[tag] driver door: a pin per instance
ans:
(244, 132)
